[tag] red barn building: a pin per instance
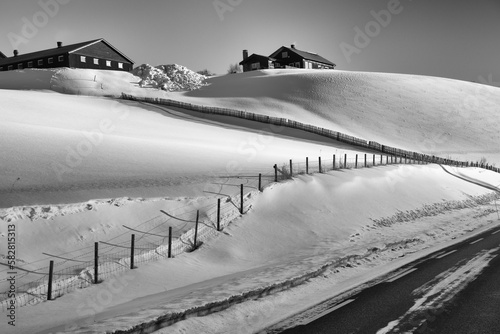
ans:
(97, 54)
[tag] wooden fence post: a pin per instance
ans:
(334, 162)
(381, 161)
(241, 197)
(291, 169)
(365, 160)
(96, 262)
(275, 173)
(196, 230)
(218, 214)
(374, 160)
(169, 242)
(356, 163)
(51, 273)
(260, 182)
(307, 165)
(345, 160)
(132, 245)
(320, 169)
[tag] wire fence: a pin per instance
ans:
(168, 234)
(284, 122)
(184, 229)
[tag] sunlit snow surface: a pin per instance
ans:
(142, 159)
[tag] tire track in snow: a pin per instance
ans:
(433, 296)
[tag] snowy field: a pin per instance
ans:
(78, 166)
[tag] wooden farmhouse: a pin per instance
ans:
(96, 54)
(285, 57)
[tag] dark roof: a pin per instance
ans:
(2, 55)
(304, 54)
(57, 51)
(253, 56)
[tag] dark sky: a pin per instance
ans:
(446, 38)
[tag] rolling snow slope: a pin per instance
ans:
(63, 149)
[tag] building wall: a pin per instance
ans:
(263, 63)
(61, 60)
(78, 60)
(102, 51)
(292, 59)
(106, 59)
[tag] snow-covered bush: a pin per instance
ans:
(169, 77)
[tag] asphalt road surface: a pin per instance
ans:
(473, 309)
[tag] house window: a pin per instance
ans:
(60, 58)
(284, 54)
(30, 64)
(20, 66)
(40, 62)
(83, 59)
(120, 65)
(297, 64)
(255, 66)
(50, 60)
(1, 68)
(96, 61)
(10, 68)
(108, 63)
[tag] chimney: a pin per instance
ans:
(59, 44)
(16, 53)
(293, 46)
(245, 54)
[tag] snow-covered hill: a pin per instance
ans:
(431, 115)
(76, 168)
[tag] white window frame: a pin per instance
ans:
(60, 58)
(83, 59)
(96, 61)
(120, 65)
(50, 60)
(108, 63)
(284, 54)
(255, 66)
(30, 64)
(40, 62)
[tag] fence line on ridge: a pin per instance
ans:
(160, 238)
